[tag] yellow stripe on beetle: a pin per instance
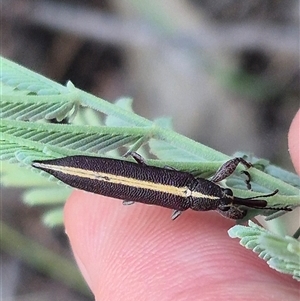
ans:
(116, 179)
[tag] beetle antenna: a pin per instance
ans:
(263, 195)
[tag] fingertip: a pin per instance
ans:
(126, 252)
(294, 141)
(129, 247)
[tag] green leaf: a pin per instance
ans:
(54, 217)
(46, 195)
(27, 134)
(66, 139)
(281, 253)
(22, 79)
(273, 170)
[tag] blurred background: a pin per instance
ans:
(225, 71)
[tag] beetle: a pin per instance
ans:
(166, 187)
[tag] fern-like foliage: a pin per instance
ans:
(41, 119)
(281, 253)
(30, 101)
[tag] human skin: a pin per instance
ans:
(138, 253)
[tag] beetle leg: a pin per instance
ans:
(228, 168)
(175, 214)
(247, 181)
(138, 158)
(127, 202)
(233, 212)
